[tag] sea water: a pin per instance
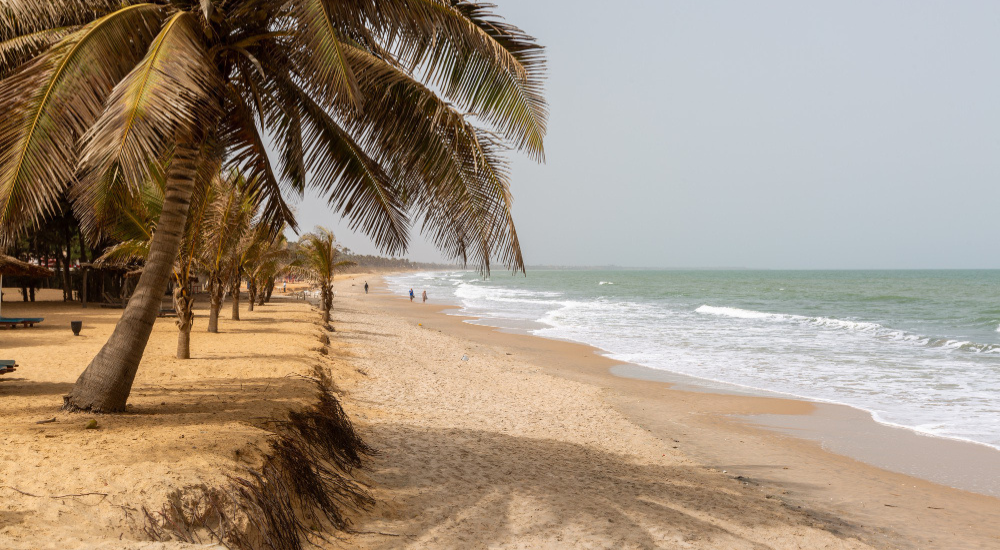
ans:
(917, 349)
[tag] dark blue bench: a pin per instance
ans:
(12, 322)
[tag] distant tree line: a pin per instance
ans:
(366, 263)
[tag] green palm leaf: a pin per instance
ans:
(325, 61)
(356, 185)
(490, 68)
(452, 172)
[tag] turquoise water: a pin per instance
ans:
(918, 349)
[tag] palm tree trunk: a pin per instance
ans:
(266, 295)
(236, 300)
(184, 306)
(252, 291)
(67, 281)
(326, 295)
(216, 305)
(106, 383)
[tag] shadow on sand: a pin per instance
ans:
(462, 488)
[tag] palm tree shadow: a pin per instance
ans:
(217, 401)
(464, 488)
(22, 387)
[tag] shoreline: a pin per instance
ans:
(951, 461)
(705, 426)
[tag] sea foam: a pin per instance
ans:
(884, 361)
(874, 329)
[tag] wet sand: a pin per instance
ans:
(854, 433)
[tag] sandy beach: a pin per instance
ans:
(486, 439)
(190, 422)
(532, 443)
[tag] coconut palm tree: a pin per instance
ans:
(229, 216)
(318, 258)
(131, 224)
(266, 257)
(391, 109)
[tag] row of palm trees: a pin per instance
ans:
(399, 112)
(227, 240)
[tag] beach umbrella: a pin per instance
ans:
(15, 267)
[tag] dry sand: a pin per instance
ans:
(187, 421)
(530, 443)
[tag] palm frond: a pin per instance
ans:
(317, 256)
(325, 61)
(228, 216)
(356, 186)
(24, 17)
(126, 253)
(248, 153)
(170, 95)
(52, 101)
(453, 173)
(16, 51)
(489, 67)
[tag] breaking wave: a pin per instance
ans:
(874, 329)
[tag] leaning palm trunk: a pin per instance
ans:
(105, 385)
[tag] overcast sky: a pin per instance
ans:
(847, 134)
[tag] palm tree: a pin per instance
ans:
(392, 109)
(318, 259)
(131, 225)
(266, 257)
(229, 215)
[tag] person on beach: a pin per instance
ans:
(425, 296)
(411, 295)
(366, 287)
(284, 285)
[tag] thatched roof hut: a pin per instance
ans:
(12, 266)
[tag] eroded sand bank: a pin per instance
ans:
(190, 422)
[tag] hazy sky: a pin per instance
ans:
(847, 134)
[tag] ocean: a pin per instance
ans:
(916, 349)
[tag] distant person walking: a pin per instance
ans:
(411, 295)
(284, 285)
(366, 287)
(425, 296)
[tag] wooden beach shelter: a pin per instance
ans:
(14, 267)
